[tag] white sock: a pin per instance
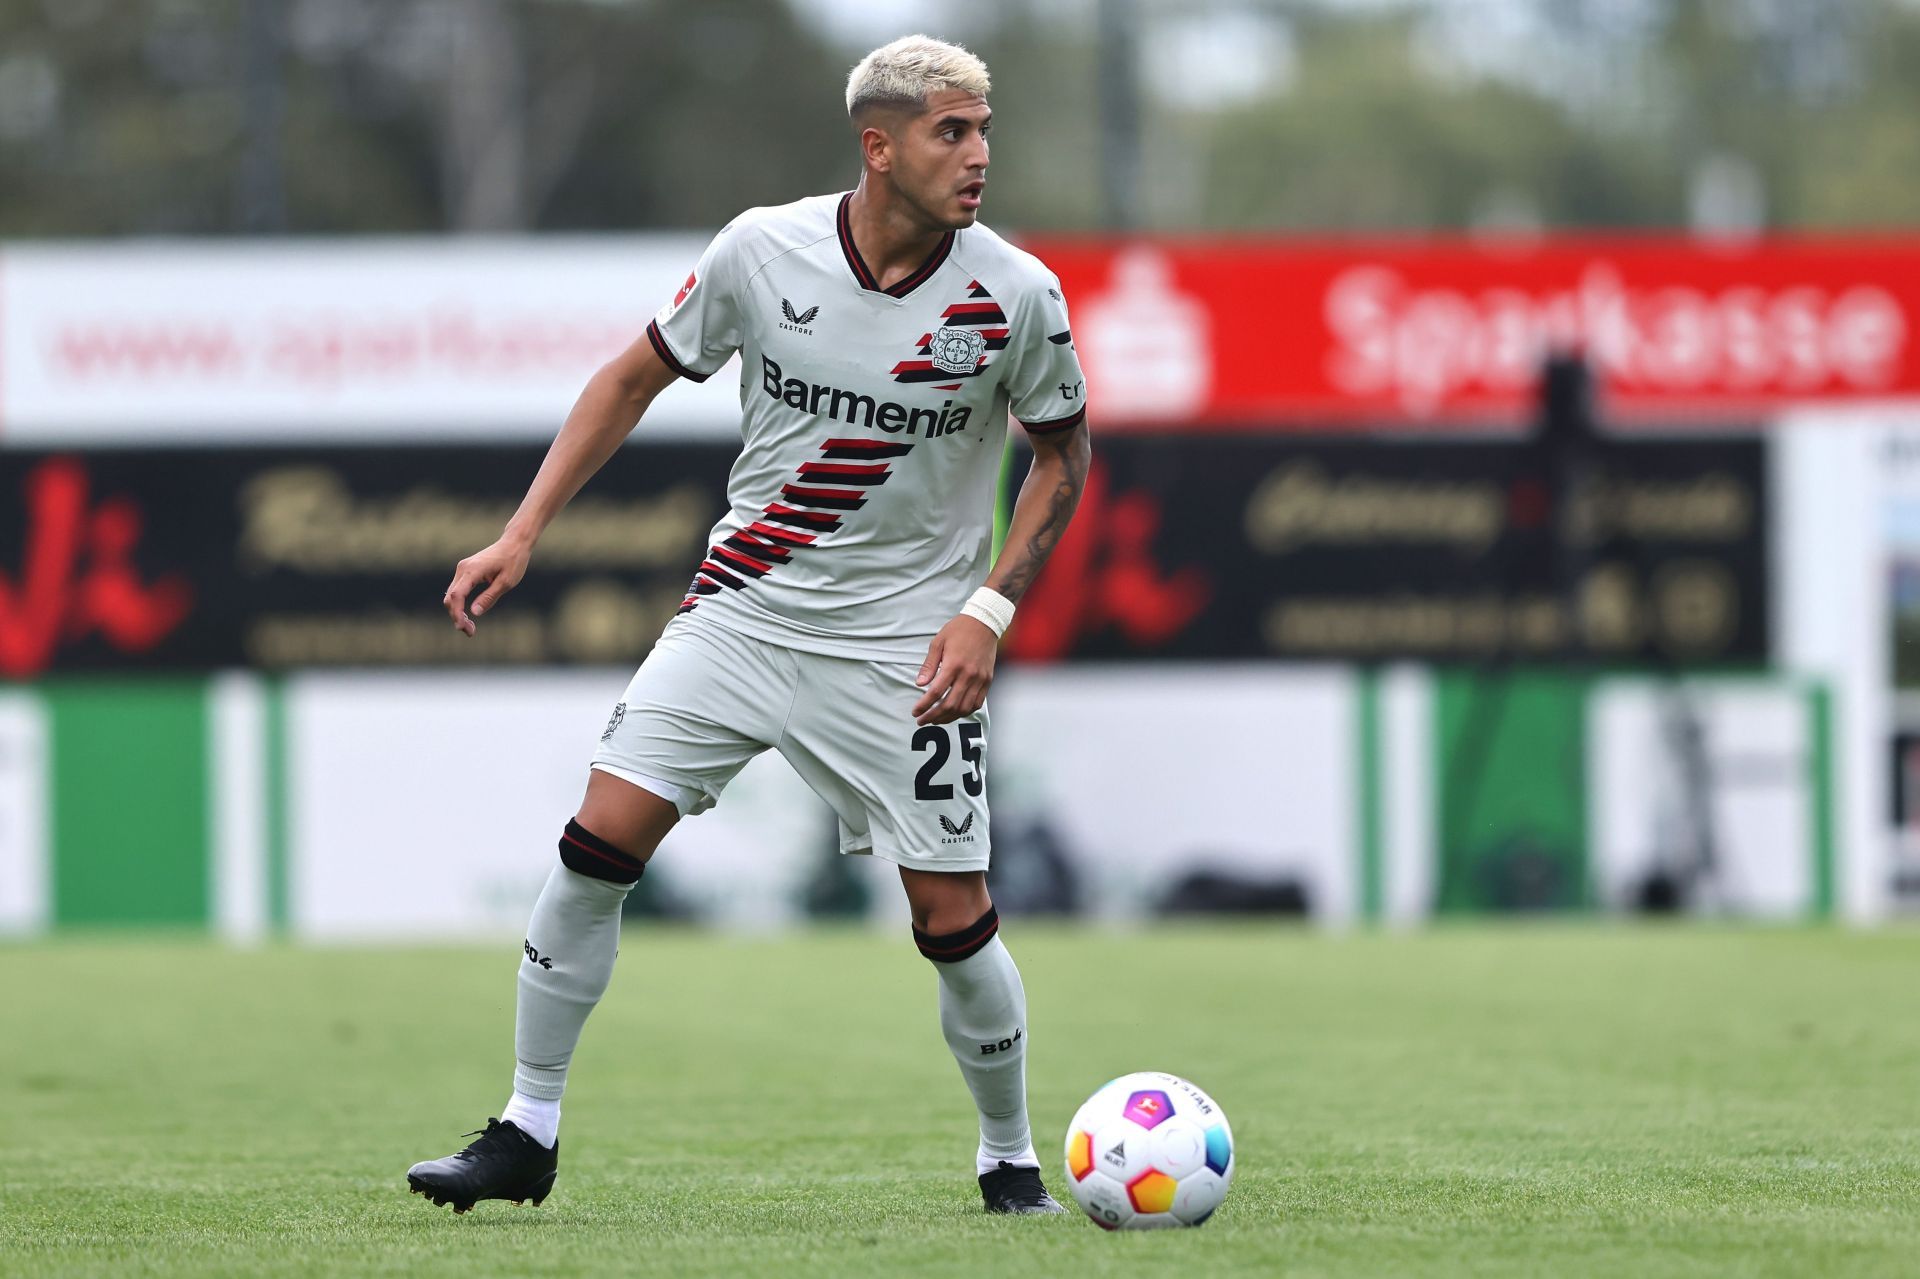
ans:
(537, 1117)
(984, 1163)
(983, 1014)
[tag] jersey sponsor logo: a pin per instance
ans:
(860, 410)
(961, 834)
(957, 350)
(681, 296)
(797, 321)
(613, 721)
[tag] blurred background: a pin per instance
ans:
(1507, 484)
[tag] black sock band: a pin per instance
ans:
(585, 853)
(951, 948)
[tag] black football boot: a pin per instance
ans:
(504, 1163)
(1016, 1190)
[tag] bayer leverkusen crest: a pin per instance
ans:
(957, 350)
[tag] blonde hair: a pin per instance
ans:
(903, 73)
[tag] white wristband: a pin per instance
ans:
(993, 608)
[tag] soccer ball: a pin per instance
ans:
(1149, 1150)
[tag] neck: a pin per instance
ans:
(892, 237)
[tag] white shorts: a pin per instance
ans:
(707, 700)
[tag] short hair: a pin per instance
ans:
(905, 72)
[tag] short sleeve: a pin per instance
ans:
(699, 330)
(1045, 387)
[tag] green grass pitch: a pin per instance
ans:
(1517, 1100)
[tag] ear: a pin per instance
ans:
(876, 148)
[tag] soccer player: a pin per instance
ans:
(844, 613)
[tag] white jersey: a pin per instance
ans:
(872, 422)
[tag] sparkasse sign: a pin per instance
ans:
(1376, 332)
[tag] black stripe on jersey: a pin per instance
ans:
(759, 550)
(741, 563)
(827, 501)
(862, 450)
(720, 575)
(993, 344)
(987, 317)
(840, 479)
(817, 520)
(667, 356)
(933, 375)
(1057, 424)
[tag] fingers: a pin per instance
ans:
(455, 600)
(931, 698)
(490, 596)
(954, 696)
(932, 664)
(469, 577)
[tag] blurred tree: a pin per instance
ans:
(152, 116)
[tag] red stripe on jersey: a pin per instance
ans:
(848, 469)
(782, 534)
(754, 546)
(971, 308)
(813, 519)
(745, 561)
(908, 366)
(863, 445)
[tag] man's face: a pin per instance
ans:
(940, 158)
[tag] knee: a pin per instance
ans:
(585, 853)
(631, 821)
(950, 946)
(945, 902)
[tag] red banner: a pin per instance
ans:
(1392, 332)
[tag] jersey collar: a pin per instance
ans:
(865, 278)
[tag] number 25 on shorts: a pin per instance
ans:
(934, 737)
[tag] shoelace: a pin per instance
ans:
(490, 1136)
(1025, 1181)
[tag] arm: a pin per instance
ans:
(603, 416)
(959, 665)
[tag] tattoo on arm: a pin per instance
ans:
(1023, 562)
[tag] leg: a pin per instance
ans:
(702, 704)
(567, 961)
(573, 938)
(916, 796)
(983, 1006)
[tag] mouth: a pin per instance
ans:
(971, 193)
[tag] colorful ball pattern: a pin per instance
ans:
(1149, 1150)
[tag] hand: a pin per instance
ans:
(498, 569)
(958, 669)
